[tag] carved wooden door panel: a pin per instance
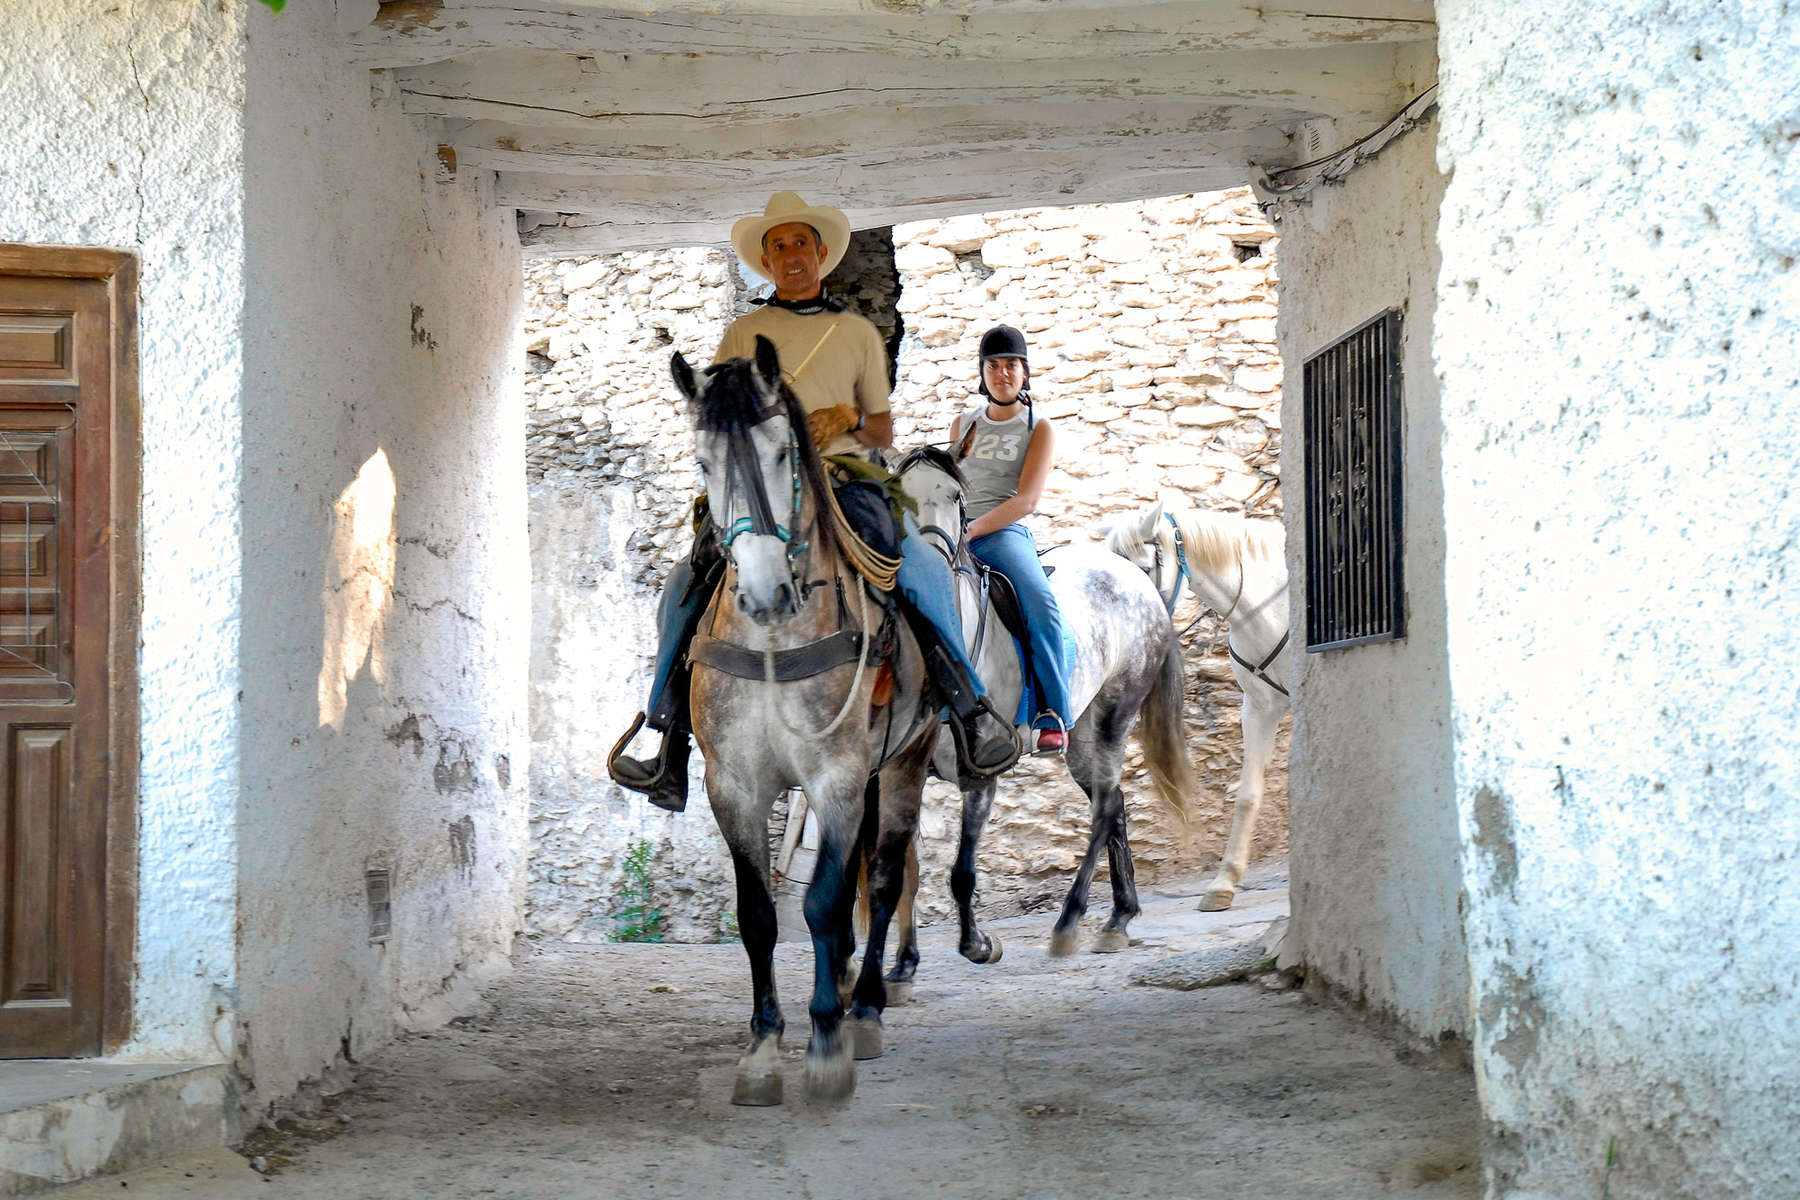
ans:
(55, 592)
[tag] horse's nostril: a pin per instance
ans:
(743, 603)
(784, 595)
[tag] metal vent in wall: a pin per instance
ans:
(379, 885)
(1355, 582)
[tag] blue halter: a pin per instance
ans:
(1182, 572)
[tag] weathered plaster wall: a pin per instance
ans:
(385, 568)
(121, 126)
(1623, 676)
(1153, 333)
(1376, 888)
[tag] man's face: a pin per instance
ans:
(792, 258)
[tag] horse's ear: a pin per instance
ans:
(1147, 526)
(684, 375)
(768, 363)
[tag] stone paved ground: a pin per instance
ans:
(602, 1071)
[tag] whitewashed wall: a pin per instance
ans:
(1376, 885)
(384, 569)
(1619, 307)
(1152, 328)
(121, 127)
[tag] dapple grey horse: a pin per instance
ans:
(1127, 664)
(800, 681)
(1235, 566)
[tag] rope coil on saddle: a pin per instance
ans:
(879, 569)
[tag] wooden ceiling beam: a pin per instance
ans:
(623, 91)
(412, 33)
(734, 151)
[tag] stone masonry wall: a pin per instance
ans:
(1152, 329)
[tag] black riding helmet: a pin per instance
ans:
(1003, 341)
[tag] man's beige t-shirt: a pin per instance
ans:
(839, 356)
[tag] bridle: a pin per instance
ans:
(743, 476)
(1258, 669)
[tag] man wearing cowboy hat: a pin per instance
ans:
(836, 363)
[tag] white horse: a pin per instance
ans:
(1236, 567)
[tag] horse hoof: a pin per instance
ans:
(759, 1076)
(757, 1091)
(987, 950)
(899, 991)
(1064, 942)
(865, 1037)
(1111, 941)
(1217, 900)
(830, 1076)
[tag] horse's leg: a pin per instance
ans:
(1116, 935)
(758, 1079)
(978, 802)
(906, 940)
(864, 857)
(1260, 721)
(901, 783)
(1085, 767)
(830, 1070)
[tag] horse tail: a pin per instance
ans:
(1162, 733)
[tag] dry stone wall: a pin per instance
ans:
(1152, 327)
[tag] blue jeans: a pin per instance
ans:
(1013, 552)
(924, 583)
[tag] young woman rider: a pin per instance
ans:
(1006, 451)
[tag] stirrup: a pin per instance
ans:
(960, 733)
(1061, 732)
(663, 786)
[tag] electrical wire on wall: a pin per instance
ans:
(1275, 185)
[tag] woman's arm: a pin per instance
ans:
(1032, 478)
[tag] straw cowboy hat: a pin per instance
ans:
(785, 207)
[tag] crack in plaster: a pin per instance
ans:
(137, 184)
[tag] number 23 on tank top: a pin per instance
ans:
(1001, 446)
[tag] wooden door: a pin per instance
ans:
(58, 362)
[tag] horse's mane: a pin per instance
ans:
(730, 403)
(1212, 541)
(935, 456)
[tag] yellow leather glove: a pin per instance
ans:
(826, 424)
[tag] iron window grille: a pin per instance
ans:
(1355, 582)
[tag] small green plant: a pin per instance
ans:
(275, 5)
(637, 920)
(1612, 1157)
(728, 926)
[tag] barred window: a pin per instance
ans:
(1355, 585)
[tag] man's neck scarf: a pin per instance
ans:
(823, 302)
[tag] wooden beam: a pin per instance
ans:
(655, 226)
(1353, 82)
(414, 32)
(734, 152)
(698, 192)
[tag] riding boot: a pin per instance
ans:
(663, 779)
(986, 743)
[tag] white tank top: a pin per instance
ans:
(996, 457)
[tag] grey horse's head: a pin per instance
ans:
(937, 486)
(757, 462)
